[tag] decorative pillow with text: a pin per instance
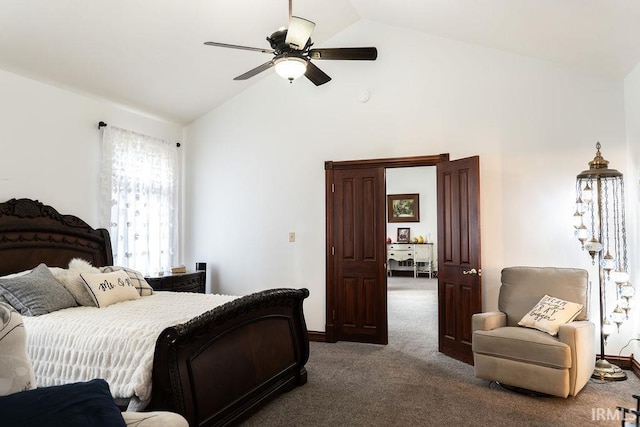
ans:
(16, 371)
(137, 278)
(549, 313)
(109, 288)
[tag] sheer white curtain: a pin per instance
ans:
(139, 199)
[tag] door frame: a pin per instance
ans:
(330, 166)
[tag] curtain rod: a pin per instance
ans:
(102, 124)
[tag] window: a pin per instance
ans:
(139, 199)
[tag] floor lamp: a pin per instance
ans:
(600, 227)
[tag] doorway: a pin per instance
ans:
(412, 303)
(356, 250)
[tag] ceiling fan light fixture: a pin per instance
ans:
(290, 67)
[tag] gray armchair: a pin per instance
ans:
(527, 358)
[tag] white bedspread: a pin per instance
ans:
(115, 343)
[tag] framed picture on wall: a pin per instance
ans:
(403, 208)
(403, 235)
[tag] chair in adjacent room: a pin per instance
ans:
(422, 261)
(555, 353)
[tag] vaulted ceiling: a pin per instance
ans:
(149, 54)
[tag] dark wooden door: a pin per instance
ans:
(356, 255)
(459, 268)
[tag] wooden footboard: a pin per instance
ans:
(221, 366)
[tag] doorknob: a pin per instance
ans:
(473, 271)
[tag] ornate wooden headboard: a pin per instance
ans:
(32, 233)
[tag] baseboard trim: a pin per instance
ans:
(627, 363)
(635, 366)
(623, 362)
(317, 336)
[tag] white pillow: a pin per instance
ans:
(11, 276)
(549, 313)
(16, 371)
(71, 280)
(109, 288)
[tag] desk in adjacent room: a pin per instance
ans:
(414, 257)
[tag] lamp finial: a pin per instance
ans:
(598, 161)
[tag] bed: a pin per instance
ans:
(214, 369)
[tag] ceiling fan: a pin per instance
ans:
(292, 52)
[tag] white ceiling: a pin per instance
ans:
(149, 54)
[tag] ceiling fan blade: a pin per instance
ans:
(352, 53)
(235, 46)
(316, 75)
(298, 32)
(255, 71)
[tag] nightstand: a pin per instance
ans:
(193, 281)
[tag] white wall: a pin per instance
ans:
(256, 164)
(50, 143)
(632, 184)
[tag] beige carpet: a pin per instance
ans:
(408, 383)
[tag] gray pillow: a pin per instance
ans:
(36, 293)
